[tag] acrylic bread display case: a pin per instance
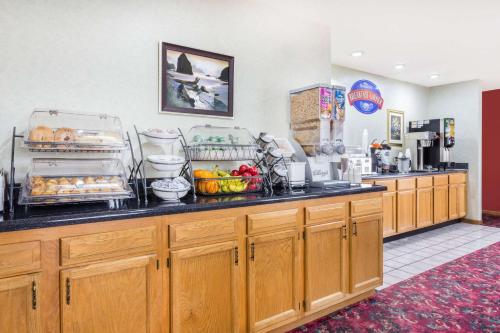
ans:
(212, 143)
(53, 130)
(58, 180)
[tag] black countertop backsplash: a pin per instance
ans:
(58, 215)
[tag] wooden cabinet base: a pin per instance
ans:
(313, 316)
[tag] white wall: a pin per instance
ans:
(397, 95)
(101, 56)
(462, 101)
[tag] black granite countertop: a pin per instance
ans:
(51, 216)
(412, 174)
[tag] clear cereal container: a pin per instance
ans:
(58, 180)
(54, 130)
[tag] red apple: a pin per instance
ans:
(235, 173)
(246, 174)
(252, 187)
(253, 170)
(243, 169)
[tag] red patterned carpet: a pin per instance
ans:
(491, 221)
(459, 296)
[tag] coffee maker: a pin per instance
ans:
(431, 143)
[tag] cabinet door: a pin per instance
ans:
(273, 272)
(326, 265)
(19, 308)
(114, 297)
(204, 288)
(406, 211)
(453, 202)
(365, 255)
(440, 203)
(424, 207)
(390, 213)
(462, 200)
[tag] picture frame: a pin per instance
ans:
(395, 127)
(195, 82)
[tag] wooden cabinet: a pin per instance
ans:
(453, 201)
(390, 213)
(326, 264)
(462, 200)
(205, 286)
(366, 252)
(440, 203)
(425, 207)
(273, 279)
(19, 305)
(406, 210)
(116, 296)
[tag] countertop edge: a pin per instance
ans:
(12, 225)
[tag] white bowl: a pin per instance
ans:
(170, 195)
(161, 138)
(166, 162)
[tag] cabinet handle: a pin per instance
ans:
(354, 229)
(68, 291)
(236, 256)
(252, 251)
(33, 295)
(344, 232)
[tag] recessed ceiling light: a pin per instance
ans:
(399, 67)
(434, 76)
(357, 53)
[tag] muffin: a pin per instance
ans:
(41, 134)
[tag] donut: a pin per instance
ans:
(38, 190)
(76, 181)
(63, 181)
(89, 180)
(64, 134)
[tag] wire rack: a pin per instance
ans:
(186, 170)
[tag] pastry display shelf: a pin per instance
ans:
(140, 174)
(113, 201)
(64, 131)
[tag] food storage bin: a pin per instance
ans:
(211, 143)
(53, 130)
(58, 180)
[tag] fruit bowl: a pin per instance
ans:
(228, 185)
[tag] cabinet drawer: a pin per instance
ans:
(325, 213)
(270, 221)
(406, 184)
(440, 180)
(366, 207)
(201, 231)
(423, 182)
(458, 178)
(19, 258)
(79, 249)
(390, 184)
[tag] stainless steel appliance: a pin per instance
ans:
(416, 142)
(437, 145)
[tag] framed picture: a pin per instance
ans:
(395, 127)
(195, 82)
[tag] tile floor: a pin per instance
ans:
(406, 257)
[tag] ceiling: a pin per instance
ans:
(458, 39)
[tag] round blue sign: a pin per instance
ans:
(365, 97)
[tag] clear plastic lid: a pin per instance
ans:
(67, 180)
(206, 135)
(53, 130)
